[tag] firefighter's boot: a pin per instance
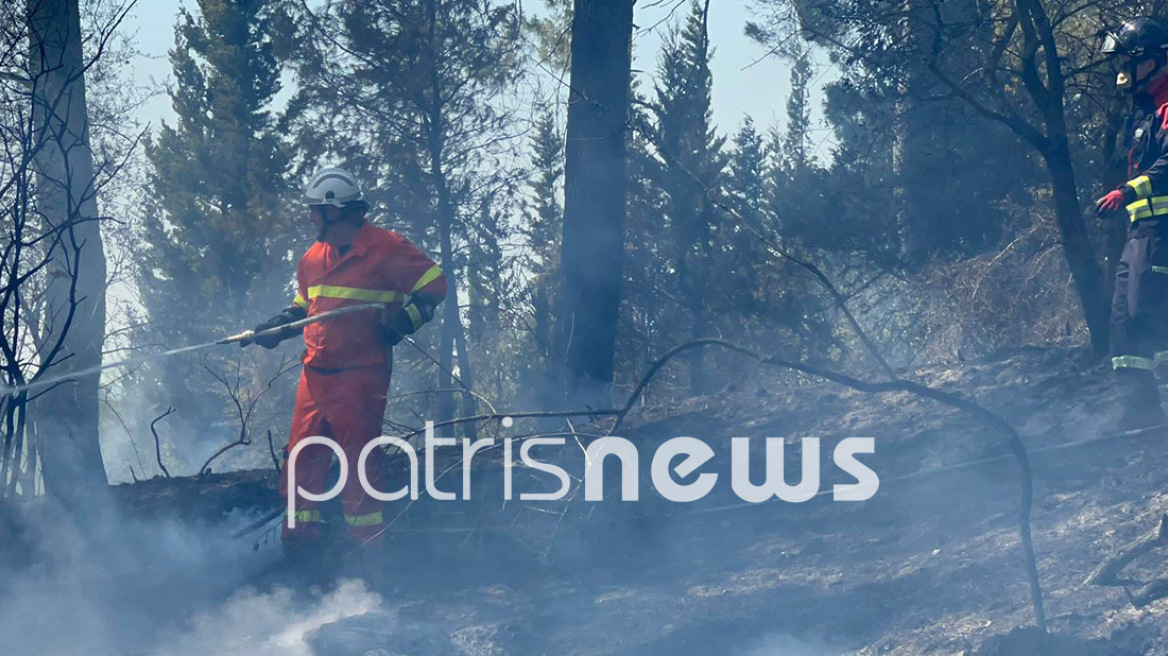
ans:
(1141, 400)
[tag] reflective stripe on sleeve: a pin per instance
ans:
(300, 302)
(430, 276)
(1142, 185)
(1147, 208)
(415, 316)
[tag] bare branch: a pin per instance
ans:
(158, 442)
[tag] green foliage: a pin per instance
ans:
(945, 116)
(552, 34)
(700, 268)
(797, 140)
(219, 174)
(215, 241)
(543, 223)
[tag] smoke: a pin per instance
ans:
(159, 588)
(272, 624)
(113, 585)
(781, 644)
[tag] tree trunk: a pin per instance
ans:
(1114, 232)
(466, 375)
(451, 320)
(1077, 249)
(594, 196)
(74, 329)
(914, 227)
(436, 144)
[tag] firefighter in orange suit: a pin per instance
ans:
(348, 359)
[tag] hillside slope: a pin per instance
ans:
(930, 565)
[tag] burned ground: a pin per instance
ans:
(930, 565)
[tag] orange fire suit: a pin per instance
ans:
(347, 363)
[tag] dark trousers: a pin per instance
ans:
(1139, 309)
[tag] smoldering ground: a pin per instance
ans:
(101, 582)
(172, 588)
(929, 565)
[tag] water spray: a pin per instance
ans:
(231, 339)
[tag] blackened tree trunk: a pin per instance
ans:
(1080, 254)
(594, 197)
(73, 329)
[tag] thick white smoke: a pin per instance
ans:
(271, 624)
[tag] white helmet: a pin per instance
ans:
(332, 186)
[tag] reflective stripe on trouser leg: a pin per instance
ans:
(370, 519)
(1132, 362)
(311, 466)
(308, 516)
(353, 401)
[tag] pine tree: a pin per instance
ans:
(544, 224)
(551, 34)
(693, 164)
(746, 179)
(748, 189)
(797, 202)
(214, 231)
(650, 310)
(796, 140)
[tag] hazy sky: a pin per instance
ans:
(739, 88)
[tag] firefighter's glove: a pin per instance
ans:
(272, 340)
(407, 321)
(1115, 201)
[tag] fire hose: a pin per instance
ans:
(41, 383)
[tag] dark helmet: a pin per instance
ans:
(1138, 40)
(1139, 37)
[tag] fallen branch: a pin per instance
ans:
(952, 399)
(1107, 574)
(272, 451)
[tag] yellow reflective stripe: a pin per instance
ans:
(415, 316)
(430, 276)
(1161, 356)
(1156, 268)
(1148, 207)
(306, 516)
(1142, 185)
(353, 293)
(1131, 362)
(372, 519)
(300, 302)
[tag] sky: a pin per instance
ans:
(746, 81)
